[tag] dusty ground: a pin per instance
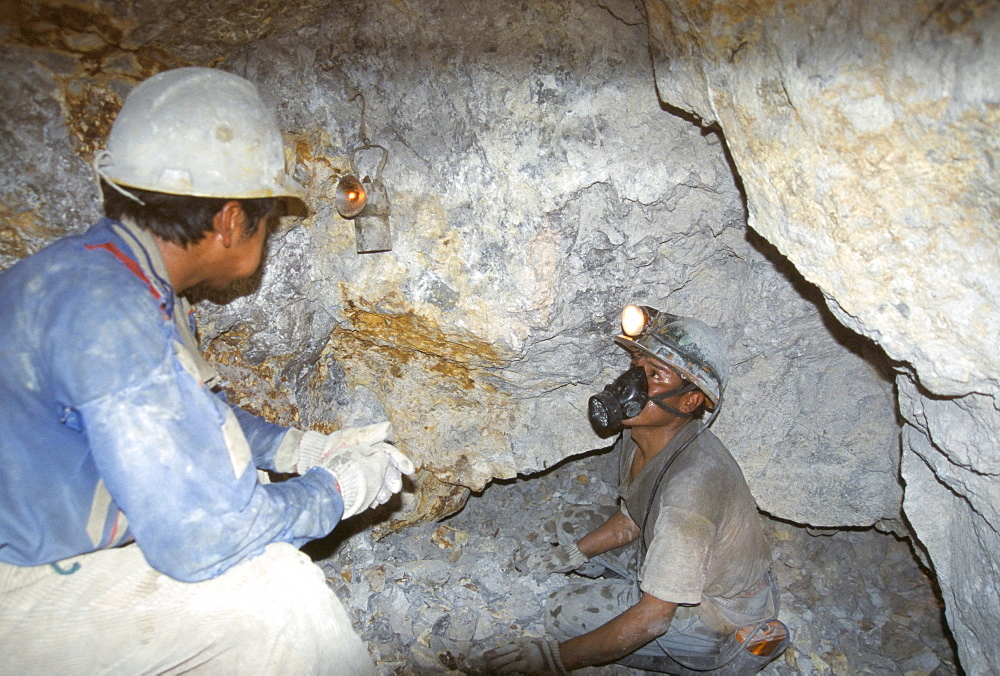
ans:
(432, 598)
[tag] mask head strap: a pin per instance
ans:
(658, 399)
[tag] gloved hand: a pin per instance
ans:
(527, 656)
(316, 448)
(548, 560)
(392, 480)
(367, 475)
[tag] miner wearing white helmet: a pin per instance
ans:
(135, 533)
(681, 566)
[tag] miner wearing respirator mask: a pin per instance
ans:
(680, 570)
(136, 535)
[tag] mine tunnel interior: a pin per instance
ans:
(535, 183)
(429, 597)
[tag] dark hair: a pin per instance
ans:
(181, 219)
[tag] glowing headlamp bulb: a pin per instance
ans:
(634, 320)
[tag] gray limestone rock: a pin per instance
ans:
(864, 135)
(537, 187)
(542, 173)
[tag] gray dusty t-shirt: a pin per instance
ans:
(703, 534)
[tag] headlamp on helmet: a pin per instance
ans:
(689, 346)
(635, 319)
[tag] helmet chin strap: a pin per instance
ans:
(99, 158)
(658, 399)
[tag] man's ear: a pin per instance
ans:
(691, 401)
(229, 223)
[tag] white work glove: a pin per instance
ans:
(548, 560)
(316, 448)
(367, 475)
(527, 656)
(392, 479)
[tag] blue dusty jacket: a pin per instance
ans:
(109, 429)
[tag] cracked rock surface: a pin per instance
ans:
(537, 185)
(543, 172)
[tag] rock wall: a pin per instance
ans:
(538, 183)
(865, 137)
(537, 186)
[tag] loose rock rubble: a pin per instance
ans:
(431, 598)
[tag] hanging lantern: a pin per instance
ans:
(367, 202)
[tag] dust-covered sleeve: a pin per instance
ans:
(172, 455)
(177, 463)
(264, 437)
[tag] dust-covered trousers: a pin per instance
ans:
(110, 612)
(583, 606)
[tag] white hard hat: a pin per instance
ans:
(201, 132)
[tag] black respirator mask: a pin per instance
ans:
(626, 397)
